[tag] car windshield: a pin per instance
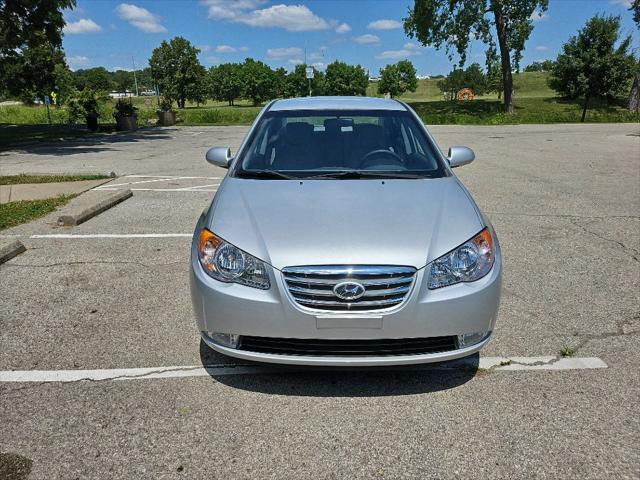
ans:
(345, 144)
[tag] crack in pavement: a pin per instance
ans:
(631, 251)
(562, 215)
(90, 262)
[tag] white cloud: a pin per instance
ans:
(222, 9)
(204, 48)
(243, 49)
(320, 66)
(282, 53)
(384, 25)
(295, 61)
(84, 25)
(367, 39)
(226, 49)
(398, 54)
(624, 3)
(293, 18)
(77, 61)
(542, 48)
(412, 46)
(141, 18)
(538, 16)
(343, 28)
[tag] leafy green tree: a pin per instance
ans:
(298, 84)
(258, 81)
(591, 65)
(280, 84)
(455, 22)
(30, 45)
(494, 73)
(633, 102)
(198, 91)
(97, 79)
(33, 74)
(397, 79)
(225, 82)
(473, 77)
(543, 66)
(343, 79)
(122, 80)
(176, 69)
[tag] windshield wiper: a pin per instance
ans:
(355, 174)
(265, 174)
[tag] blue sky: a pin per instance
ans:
(111, 33)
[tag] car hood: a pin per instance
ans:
(323, 222)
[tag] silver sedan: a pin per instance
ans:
(341, 236)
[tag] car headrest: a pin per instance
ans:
(298, 132)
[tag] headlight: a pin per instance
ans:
(469, 262)
(229, 264)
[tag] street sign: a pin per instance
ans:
(47, 100)
(309, 72)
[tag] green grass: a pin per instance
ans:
(534, 102)
(527, 111)
(224, 115)
(15, 213)
(567, 351)
(26, 178)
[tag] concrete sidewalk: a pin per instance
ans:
(39, 191)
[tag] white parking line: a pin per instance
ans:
(66, 376)
(188, 189)
(112, 235)
(169, 177)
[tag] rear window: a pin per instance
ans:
(306, 143)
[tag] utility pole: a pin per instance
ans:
(135, 79)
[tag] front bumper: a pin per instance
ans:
(237, 309)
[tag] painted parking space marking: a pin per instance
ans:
(504, 364)
(140, 183)
(188, 189)
(111, 235)
(82, 236)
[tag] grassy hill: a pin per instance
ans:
(525, 85)
(534, 102)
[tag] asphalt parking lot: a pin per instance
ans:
(112, 295)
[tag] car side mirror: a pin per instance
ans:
(459, 156)
(219, 156)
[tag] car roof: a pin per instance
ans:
(337, 103)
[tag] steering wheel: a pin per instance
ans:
(393, 156)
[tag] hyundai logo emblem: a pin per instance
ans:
(349, 290)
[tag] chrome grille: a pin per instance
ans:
(384, 286)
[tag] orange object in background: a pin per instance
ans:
(464, 94)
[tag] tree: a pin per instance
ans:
(123, 80)
(97, 79)
(298, 84)
(176, 69)
(633, 103)
(225, 82)
(258, 81)
(31, 45)
(473, 77)
(591, 65)
(455, 22)
(543, 66)
(198, 91)
(397, 79)
(343, 79)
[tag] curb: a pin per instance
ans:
(8, 250)
(81, 214)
